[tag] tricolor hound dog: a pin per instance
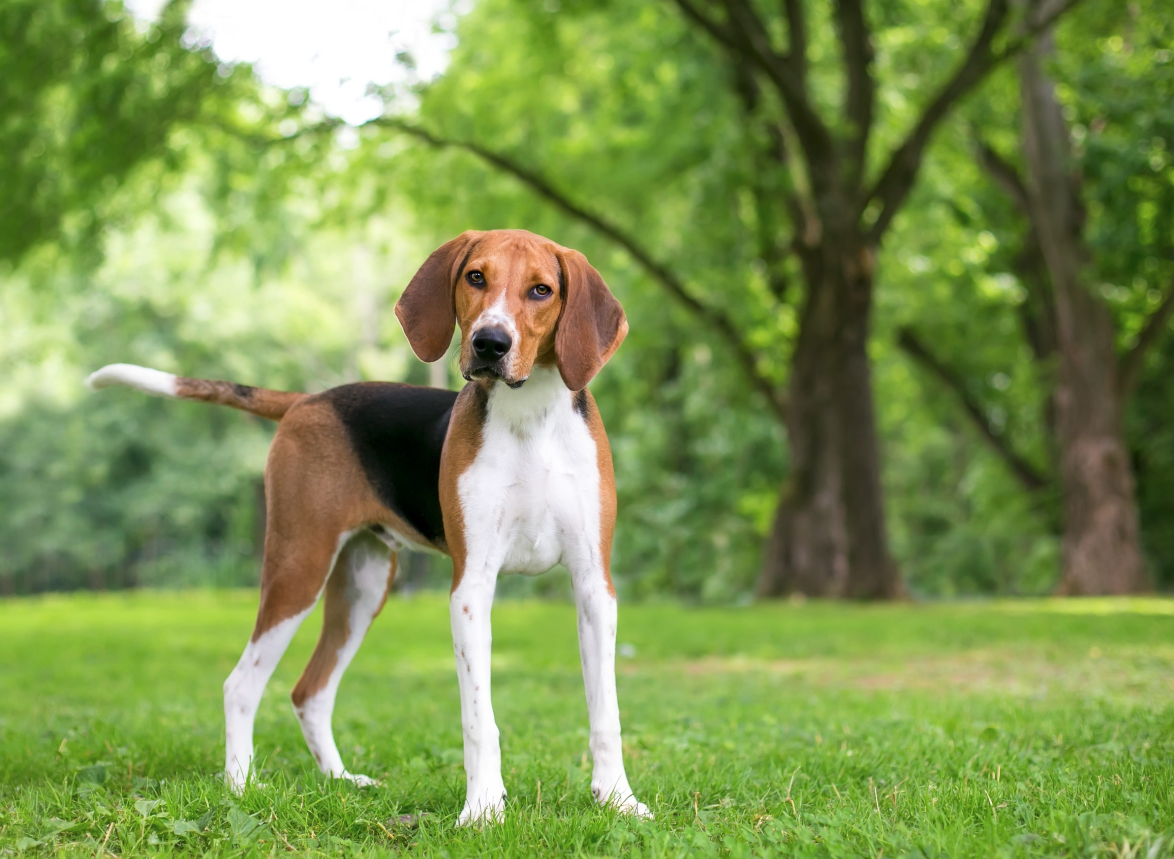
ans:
(513, 474)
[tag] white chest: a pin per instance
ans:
(530, 499)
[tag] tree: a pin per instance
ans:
(124, 135)
(824, 201)
(84, 99)
(1072, 329)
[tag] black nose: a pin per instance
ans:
(489, 344)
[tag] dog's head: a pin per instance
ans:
(520, 301)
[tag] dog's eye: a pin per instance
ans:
(541, 291)
(475, 278)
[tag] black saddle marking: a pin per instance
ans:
(398, 433)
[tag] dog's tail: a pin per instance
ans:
(258, 401)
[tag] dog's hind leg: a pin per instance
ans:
(355, 593)
(291, 581)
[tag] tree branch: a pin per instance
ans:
(856, 39)
(718, 31)
(1004, 174)
(662, 274)
(745, 37)
(1027, 475)
(900, 173)
(1130, 364)
(769, 250)
(797, 29)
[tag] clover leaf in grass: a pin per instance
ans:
(205, 819)
(245, 828)
(54, 826)
(95, 774)
(146, 806)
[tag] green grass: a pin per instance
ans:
(1017, 729)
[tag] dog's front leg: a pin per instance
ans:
(469, 610)
(596, 604)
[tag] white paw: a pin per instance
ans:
(235, 781)
(621, 799)
(360, 780)
(633, 807)
(237, 785)
(483, 806)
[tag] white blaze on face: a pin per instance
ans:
(497, 315)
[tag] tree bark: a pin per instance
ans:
(874, 573)
(807, 552)
(1100, 545)
(829, 537)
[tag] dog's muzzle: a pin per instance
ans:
(491, 345)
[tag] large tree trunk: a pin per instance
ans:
(829, 536)
(872, 574)
(1101, 550)
(807, 552)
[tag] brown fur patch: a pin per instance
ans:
(336, 626)
(315, 492)
(259, 401)
(460, 449)
(607, 486)
(592, 326)
(426, 308)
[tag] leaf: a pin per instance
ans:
(24, 843)
(54, 825)
(244, 827)
(95, 774)
(185, 827)
(146, 806)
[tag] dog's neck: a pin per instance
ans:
(527, 409)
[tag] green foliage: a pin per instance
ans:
(115, 489)
(204, 223)
(193, 252)
(1010, 729)
(634, 118)
(959, 275)
(960, 522)
(85, 97)
(629, 113)
(1121, 95)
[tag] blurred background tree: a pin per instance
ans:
(1085, 214)
(823, 163)
(232, 230)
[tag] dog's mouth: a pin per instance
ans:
(489, 371)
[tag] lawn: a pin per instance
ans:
(1041, 728)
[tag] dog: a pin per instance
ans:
(511, 475)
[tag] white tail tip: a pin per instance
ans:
(143, 379)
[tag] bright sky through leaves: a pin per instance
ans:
(335, 49)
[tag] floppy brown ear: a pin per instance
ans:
(592, 325)
(425, 310)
